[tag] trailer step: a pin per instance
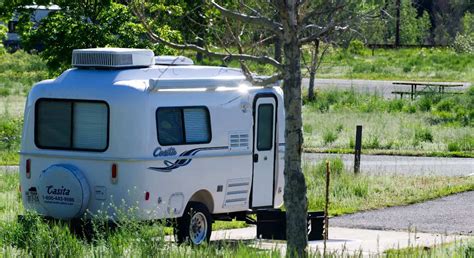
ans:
(271, 224)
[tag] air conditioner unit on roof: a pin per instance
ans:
(112, 57)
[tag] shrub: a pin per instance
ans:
(465, 143)
(410, 108)
(356, 47)
(372, 142)
(425, 103)
(336, 166)
(423, 134)
(307, 128)
(10, 133)
(446, 104)
(464, 43)
(329, 137)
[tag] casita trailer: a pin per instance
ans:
(156, 137)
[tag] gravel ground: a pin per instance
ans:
(402, 165)
(448, 215)
(372, 86)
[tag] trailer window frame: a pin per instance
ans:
(71, 148)
(183, 125)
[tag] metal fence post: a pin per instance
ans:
(358, 147)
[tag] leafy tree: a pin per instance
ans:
(3, 35)
(86, 24)
(413, 31)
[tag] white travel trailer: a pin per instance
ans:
(157, 136)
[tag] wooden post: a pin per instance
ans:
(358, 147)
(326, 207)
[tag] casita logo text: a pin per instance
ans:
(57, 191)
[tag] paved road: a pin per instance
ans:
(452, 215)
(403, 165)
(383, 165)
(384, 88)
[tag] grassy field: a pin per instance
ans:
(457, 249)
(19, 71)
(431, 124)
(431, 64)
(349, 193)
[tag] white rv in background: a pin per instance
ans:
(37, 13)
(158, 136)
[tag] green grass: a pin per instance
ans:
(351, 193)
(10, 134)
(19, 71)
(425, 64)
(433, 125)
(457, 249)
(433, 64)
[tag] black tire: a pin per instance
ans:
(200, 233)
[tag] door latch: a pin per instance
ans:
(255, 158)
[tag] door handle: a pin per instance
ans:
(255, 158)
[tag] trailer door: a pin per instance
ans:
(264, 152)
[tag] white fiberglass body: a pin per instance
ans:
(95, 141)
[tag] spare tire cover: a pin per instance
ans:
(63, 191)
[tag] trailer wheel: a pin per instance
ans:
(195, 225)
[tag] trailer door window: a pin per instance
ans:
(71, 125)
(183, 125)
(265, 127)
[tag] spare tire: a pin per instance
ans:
(63, 191)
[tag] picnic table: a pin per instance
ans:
(418, 88)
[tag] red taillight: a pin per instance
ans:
(114, 173)
(147, 196)
(28, 168)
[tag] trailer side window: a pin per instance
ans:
(170, 126)
(71, 125)
(183, 125)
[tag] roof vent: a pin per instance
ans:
(173, 60)
(112, 57)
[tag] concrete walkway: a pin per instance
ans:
(8, 169)
(402, 165)
(345, 241)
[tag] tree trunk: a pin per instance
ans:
(397, 28)
(312, 70)
(295, 186)
(199, 57)
(277, 46)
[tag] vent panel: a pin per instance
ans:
(237, 192)
(239, 140)
(112, 57)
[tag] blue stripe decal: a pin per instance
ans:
(169, 165)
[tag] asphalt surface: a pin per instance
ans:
(386, 165)
(383, 88)
(448, 215)
(401, 165)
